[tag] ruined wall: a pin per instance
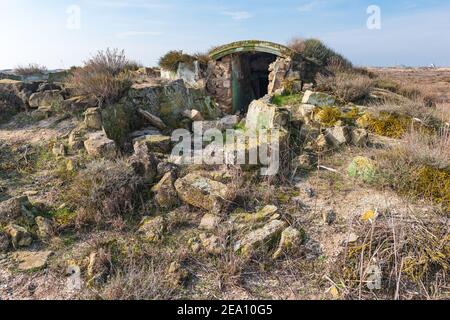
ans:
(218, 83)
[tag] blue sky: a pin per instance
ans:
(413, 32)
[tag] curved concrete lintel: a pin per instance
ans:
(252, 46)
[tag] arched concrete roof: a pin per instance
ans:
(252, 46)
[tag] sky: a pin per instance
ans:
(63, 33)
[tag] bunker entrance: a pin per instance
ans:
(250, 78)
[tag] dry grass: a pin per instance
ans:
(419, 167)
(106, 76)
(103, 192)
(396, 257)
(346, 85)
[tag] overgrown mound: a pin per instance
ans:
(106, 76)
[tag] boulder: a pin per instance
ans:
(303, 112)
(98, 145)
(14, 208)
(176, 274)
(338, 136)
(45, 228)
(210, 222)
(165, 194)
(318, 99)
(261, 239)
(46, 99)
(264, 115)
(80, 103)
(362, 168)
(93, 119)
(359, 137)
(32, 261)
(291, 238)
(154, 143)
(20, 237)
(202, 192)
(152, 228)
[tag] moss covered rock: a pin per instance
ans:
(362, 168)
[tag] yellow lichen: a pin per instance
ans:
(434, 184)
(328, 116)
(385, 124)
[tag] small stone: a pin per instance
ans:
(261, 238)
(20, 237)
(338, 136)
(154, 143)
(13, 209)
(98, 145)
(45, 228)
(210, 222)
(329, 217)
(194, 115)
(291, 238)
(177, 274)
(32, 261)
(202, 192)
(350, 238)
(152, 228)
(165, 194)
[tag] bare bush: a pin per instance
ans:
(297, 44)
(30, 69)
(106, 76)
(347, 86)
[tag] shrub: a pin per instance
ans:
(106, 76)
(30, 69)
(104, 191)
(328, 116)
(315, 49)
(347, 86)
(171, 60)
(419, 166)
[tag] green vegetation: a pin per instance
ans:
(284, 100)
(171, 60)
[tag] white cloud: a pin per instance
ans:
(238, 15)
(127, 34)
(307, 7)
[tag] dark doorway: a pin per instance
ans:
(250, 78)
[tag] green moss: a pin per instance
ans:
(284, 100)
(64, 216)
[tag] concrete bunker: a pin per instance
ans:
(247, 70)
